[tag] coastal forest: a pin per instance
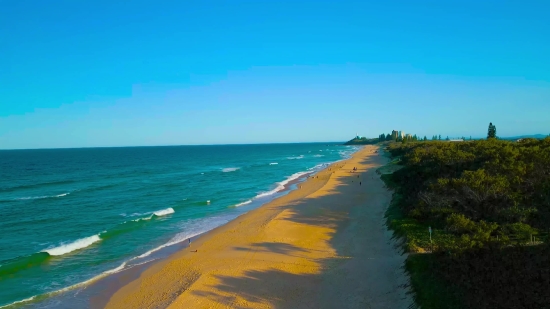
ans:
(475, 218)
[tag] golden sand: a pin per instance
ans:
(323, 245)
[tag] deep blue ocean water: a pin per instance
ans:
(70, 215)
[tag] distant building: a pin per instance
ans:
(402, 134)
(408, 136)
(394, 134)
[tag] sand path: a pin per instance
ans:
(324, 245)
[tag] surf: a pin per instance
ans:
(73, 246)
(230, 169)
(282, 185)
(243, 203)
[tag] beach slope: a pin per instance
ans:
(324, 245)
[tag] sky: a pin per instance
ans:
(135, 73)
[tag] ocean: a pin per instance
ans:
(69, 216)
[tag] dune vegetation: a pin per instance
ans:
(475, 218)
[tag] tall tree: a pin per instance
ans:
(492, 131)
(439, 136)
(425, 138)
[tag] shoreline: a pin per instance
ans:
(92, 292)
(112, 283)
(187, 276)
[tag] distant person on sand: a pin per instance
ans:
(189, 241)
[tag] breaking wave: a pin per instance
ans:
(40, 197)
(158, 213)
(281, 185)
(296, 158)
(244, 203)
(73, 246)
(230, 169)
(164, 212)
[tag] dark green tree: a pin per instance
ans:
(425, 138)
(439, 136)
(492, 131)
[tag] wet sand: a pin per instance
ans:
(323, 245)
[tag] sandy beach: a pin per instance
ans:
(323, 245)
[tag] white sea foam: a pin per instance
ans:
(30, 198)
(19, 302)
(158, 213)
(244, 203)
(230, 169)
(264, 194)
(281, 185)
(318, 155)
(318, 166)
(196, 228)
(295, 158)
(116, 270)
(164, 212)
(135, 214)
(274, 163)
(40, 197)
(75, 245)
(293, 177)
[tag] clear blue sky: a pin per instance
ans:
(117, 73)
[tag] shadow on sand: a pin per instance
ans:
(366, 271)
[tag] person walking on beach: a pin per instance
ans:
(189, 241)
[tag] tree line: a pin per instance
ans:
(488, 205)
(491, 133)
(413, 138)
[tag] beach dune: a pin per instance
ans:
(323, 245)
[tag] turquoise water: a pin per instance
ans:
(70, 215)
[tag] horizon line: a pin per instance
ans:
(175, 145)
(230, 144)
